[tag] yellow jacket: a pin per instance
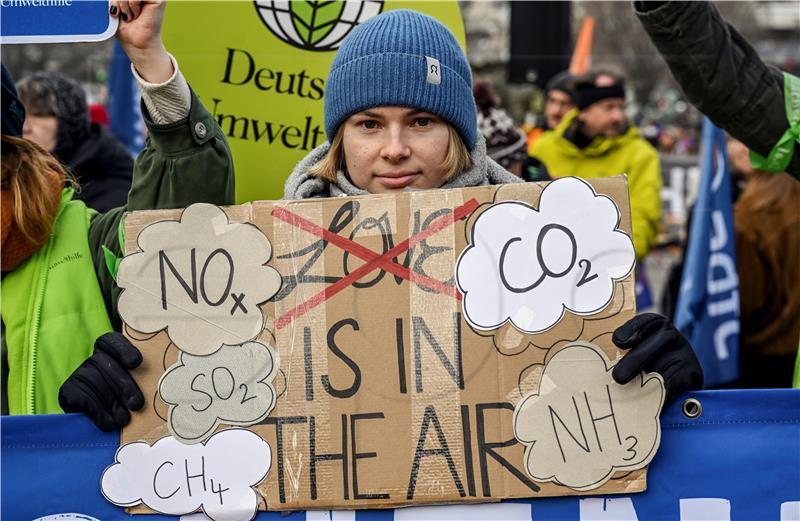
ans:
(605, 157)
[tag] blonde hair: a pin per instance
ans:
(456, 161)
(27, 173)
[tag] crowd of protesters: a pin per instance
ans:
(67, 181)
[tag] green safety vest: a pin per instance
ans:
(53, 310)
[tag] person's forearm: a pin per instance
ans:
(153, 65)
(139, 34)
(166, 101)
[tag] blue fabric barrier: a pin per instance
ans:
(739, 461)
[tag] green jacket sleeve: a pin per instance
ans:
(182, 163)
(644, 184)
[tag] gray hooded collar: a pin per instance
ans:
(302, 185)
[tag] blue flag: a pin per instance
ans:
(123, 104)
(708, 303)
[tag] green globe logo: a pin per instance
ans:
(315, 26)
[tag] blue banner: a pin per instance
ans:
(738, 460)
(50, 21)
(707, 311)
(123, 103)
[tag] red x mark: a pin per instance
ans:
(374, 260)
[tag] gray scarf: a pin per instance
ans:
(302, 185)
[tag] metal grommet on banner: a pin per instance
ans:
(692, 408)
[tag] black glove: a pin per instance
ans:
(656, 346)
(101, 387)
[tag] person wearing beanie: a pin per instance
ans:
(400, 115)
(59, 257)
(595, 140)
(58, 120)
(559, 98)
(505, 143)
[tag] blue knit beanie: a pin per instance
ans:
(406, 59)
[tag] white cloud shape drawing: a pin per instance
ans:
(582, 426)
(231, 386)
(201, 278)
(529, 266)
(176, 479)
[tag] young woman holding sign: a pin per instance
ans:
(58, 256)
(400, 115)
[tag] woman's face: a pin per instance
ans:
(388, 149)
(42, 130)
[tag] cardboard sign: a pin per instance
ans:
(55, 21)
(424, 347)
(261, 72)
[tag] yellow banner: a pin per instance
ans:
(260, 68)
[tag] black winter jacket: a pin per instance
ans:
(720, 73)
(103, 167)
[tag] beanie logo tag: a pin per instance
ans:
(434, 76)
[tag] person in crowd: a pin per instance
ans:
(766, 224)
(559, 99)
(595, 140)
(505, 143)
(767, 228)
(59, 296)
(667, 140)
(57, 119)
(723, 76)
